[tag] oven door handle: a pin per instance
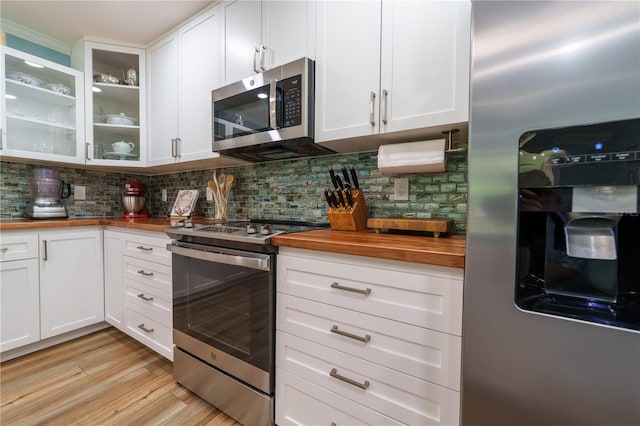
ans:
(257, 261)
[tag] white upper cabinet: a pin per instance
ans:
(391, 65)
(42, 109)
(162, 100)
(184, 67)
(114, 107)
(260, 35)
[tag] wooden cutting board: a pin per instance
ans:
(437, 226)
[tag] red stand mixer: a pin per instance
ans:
(133, 200)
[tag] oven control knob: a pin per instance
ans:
(251, 229)
(265, 229)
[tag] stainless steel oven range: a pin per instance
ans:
(224, 315)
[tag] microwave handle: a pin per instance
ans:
(272, 105)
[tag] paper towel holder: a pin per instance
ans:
(449, 133)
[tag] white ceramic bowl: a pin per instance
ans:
(25, 78)
(121, 119)
(59, 88)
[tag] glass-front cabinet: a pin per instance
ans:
(42, 109)
(114, 106)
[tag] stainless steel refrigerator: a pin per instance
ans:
(567, 71)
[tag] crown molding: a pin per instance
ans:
(35, 37)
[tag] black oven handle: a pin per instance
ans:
(250, 260)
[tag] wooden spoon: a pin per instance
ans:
(228, 183)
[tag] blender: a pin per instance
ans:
(46, 192)
(133, 200)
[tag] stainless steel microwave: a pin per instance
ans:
(267, 116)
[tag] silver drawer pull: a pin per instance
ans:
(145, 248)
(143, 328)
(4, 249)
(365, 339)
(366, 291)
(148, 299)
(333, 424)
(146, 274)
(334, 373)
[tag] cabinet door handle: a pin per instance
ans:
(256, 52)
(372, 101)
(173, 148)
(145, 329)
(142, 296)
(4, 249)
(364, 339)
(146, 274)
(334, 373)
(44, 246)
(366, 291)
(385, 95)
(145, 248)
(262, 50)
(178, 143)
(86, 150)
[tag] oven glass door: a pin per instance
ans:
(226, 306)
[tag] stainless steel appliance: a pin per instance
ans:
(47, 191)
(542, 67)
(224, 315)
(267, 116)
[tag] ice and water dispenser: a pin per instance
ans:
(579, 223)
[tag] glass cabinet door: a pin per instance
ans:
(115, 101)
(42, 109)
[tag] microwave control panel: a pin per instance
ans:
(292, 101)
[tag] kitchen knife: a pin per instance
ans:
(349, 198)
(328, 198)
(334, 199)
(339, 182)
(333, 178)
(346, 176)
(341, 198)
(354, 177)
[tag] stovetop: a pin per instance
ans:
(254, 231)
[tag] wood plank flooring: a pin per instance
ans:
(105, 378)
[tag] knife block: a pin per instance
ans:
(352, 218)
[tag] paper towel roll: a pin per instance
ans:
(412, 157)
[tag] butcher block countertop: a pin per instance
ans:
(443, 251)
(157, 224)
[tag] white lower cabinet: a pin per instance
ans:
(366, 341)
(71, 283)
(51, 284)
(138, 287)
(19, 291)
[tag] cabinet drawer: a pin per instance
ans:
(153, 274)
(417, 351)
(423, 295)
(18, 247)
(149, 300)
(397, 395)
(299, 402)
(155, 334)
(153, 249)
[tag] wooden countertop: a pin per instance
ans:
(443, 251)
(157, 224)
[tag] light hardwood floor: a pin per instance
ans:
(105, 378)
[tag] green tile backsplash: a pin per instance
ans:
(284, 190)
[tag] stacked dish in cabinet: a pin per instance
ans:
(147, 292)
(366, 341)
(42, 107)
